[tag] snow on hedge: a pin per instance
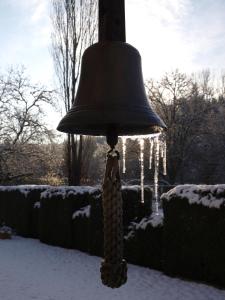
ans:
(37, 204)
(207, 195)
(135, 188)
(66, 191)
(155, 220)
(5, 229)
(23, 189)
(82, 212)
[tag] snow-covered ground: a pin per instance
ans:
(32, 270)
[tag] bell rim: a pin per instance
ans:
(86, 122)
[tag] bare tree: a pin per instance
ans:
(178, 102)
(74, 28)
(205, 82)
(194, 114)
(21, 123)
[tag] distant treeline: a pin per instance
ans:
(192, 107)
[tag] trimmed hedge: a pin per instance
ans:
(132, 208)
(143, 243)
(57, 207)
(189, 243)
(46, 212)
(194, 233)
(81, 229)
(96, 226)
(87, 227)
(17, 208)
(9, 206)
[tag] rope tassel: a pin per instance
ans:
(113, 267)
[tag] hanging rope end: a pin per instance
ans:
(114, 275)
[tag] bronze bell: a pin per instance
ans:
(111, 94)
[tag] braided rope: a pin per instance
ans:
(113, 267)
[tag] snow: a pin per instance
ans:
(31, 270)
(23, 189)
(131, 233)
(135, 188)
(206, 195)
(82, 212)
(156, 220)
(37, 204)
(5, 229)
(66, 191)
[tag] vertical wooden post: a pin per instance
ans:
(111, 20)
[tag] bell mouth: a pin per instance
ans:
(98, 123)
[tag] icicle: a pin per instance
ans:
(124, 139)
(156, 173)
(161, 147)
(150, 152)
(141, 143)
(164, 158)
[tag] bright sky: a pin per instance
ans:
(169, 34)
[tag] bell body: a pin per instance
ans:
(111, 94)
